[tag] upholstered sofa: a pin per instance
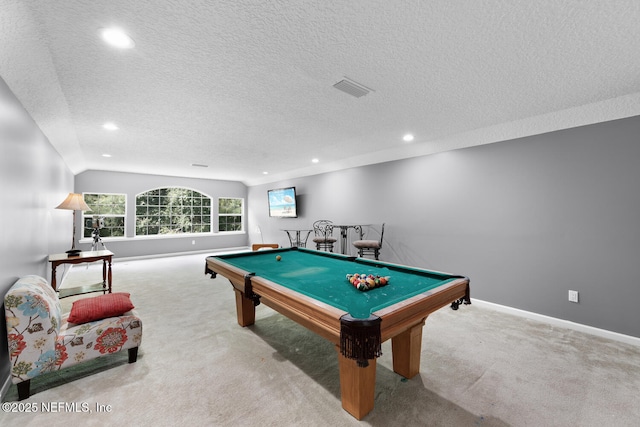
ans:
(42, 339)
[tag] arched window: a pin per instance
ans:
(172, 210)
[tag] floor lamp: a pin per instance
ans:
(74, 202)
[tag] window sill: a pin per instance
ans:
(163, 236)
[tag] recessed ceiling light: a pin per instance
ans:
(110, 126)
(265, 173)
(106, 155)
(117, 38)
(407, 138)
(315, 160)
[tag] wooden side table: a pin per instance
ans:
(83, 257)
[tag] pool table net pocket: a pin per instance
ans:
(467, 296)
(360, 339)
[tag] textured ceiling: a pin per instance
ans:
(247, 86)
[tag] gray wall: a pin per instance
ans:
(526, 220)
(33, 181)
(133, 184)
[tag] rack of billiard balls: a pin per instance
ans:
(365, 282)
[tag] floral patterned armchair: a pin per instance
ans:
(42, 340)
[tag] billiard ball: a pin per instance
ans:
(278, 257)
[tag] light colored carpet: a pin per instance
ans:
(198, 367)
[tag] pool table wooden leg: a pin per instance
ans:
(357, 386)
(245, 309)
(406, 348)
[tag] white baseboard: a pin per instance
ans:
(167, 255)
(628, 339)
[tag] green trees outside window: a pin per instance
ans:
(112, 207)
(230, 212)
(172, 210)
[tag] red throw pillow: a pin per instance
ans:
(96, 308)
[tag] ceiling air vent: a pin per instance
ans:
(352, 88)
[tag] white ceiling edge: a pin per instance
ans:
(610, 109)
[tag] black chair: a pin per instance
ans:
(323, 230)
(370, 247)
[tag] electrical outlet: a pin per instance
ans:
(573, 296)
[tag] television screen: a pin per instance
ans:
(282, 202)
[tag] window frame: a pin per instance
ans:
(240, 215)
(86, 217)
(172, 208)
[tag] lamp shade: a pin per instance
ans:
(74, 202)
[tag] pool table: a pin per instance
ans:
(311, 288)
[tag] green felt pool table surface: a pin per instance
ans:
(323, 276)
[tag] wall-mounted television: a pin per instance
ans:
(282, 202)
